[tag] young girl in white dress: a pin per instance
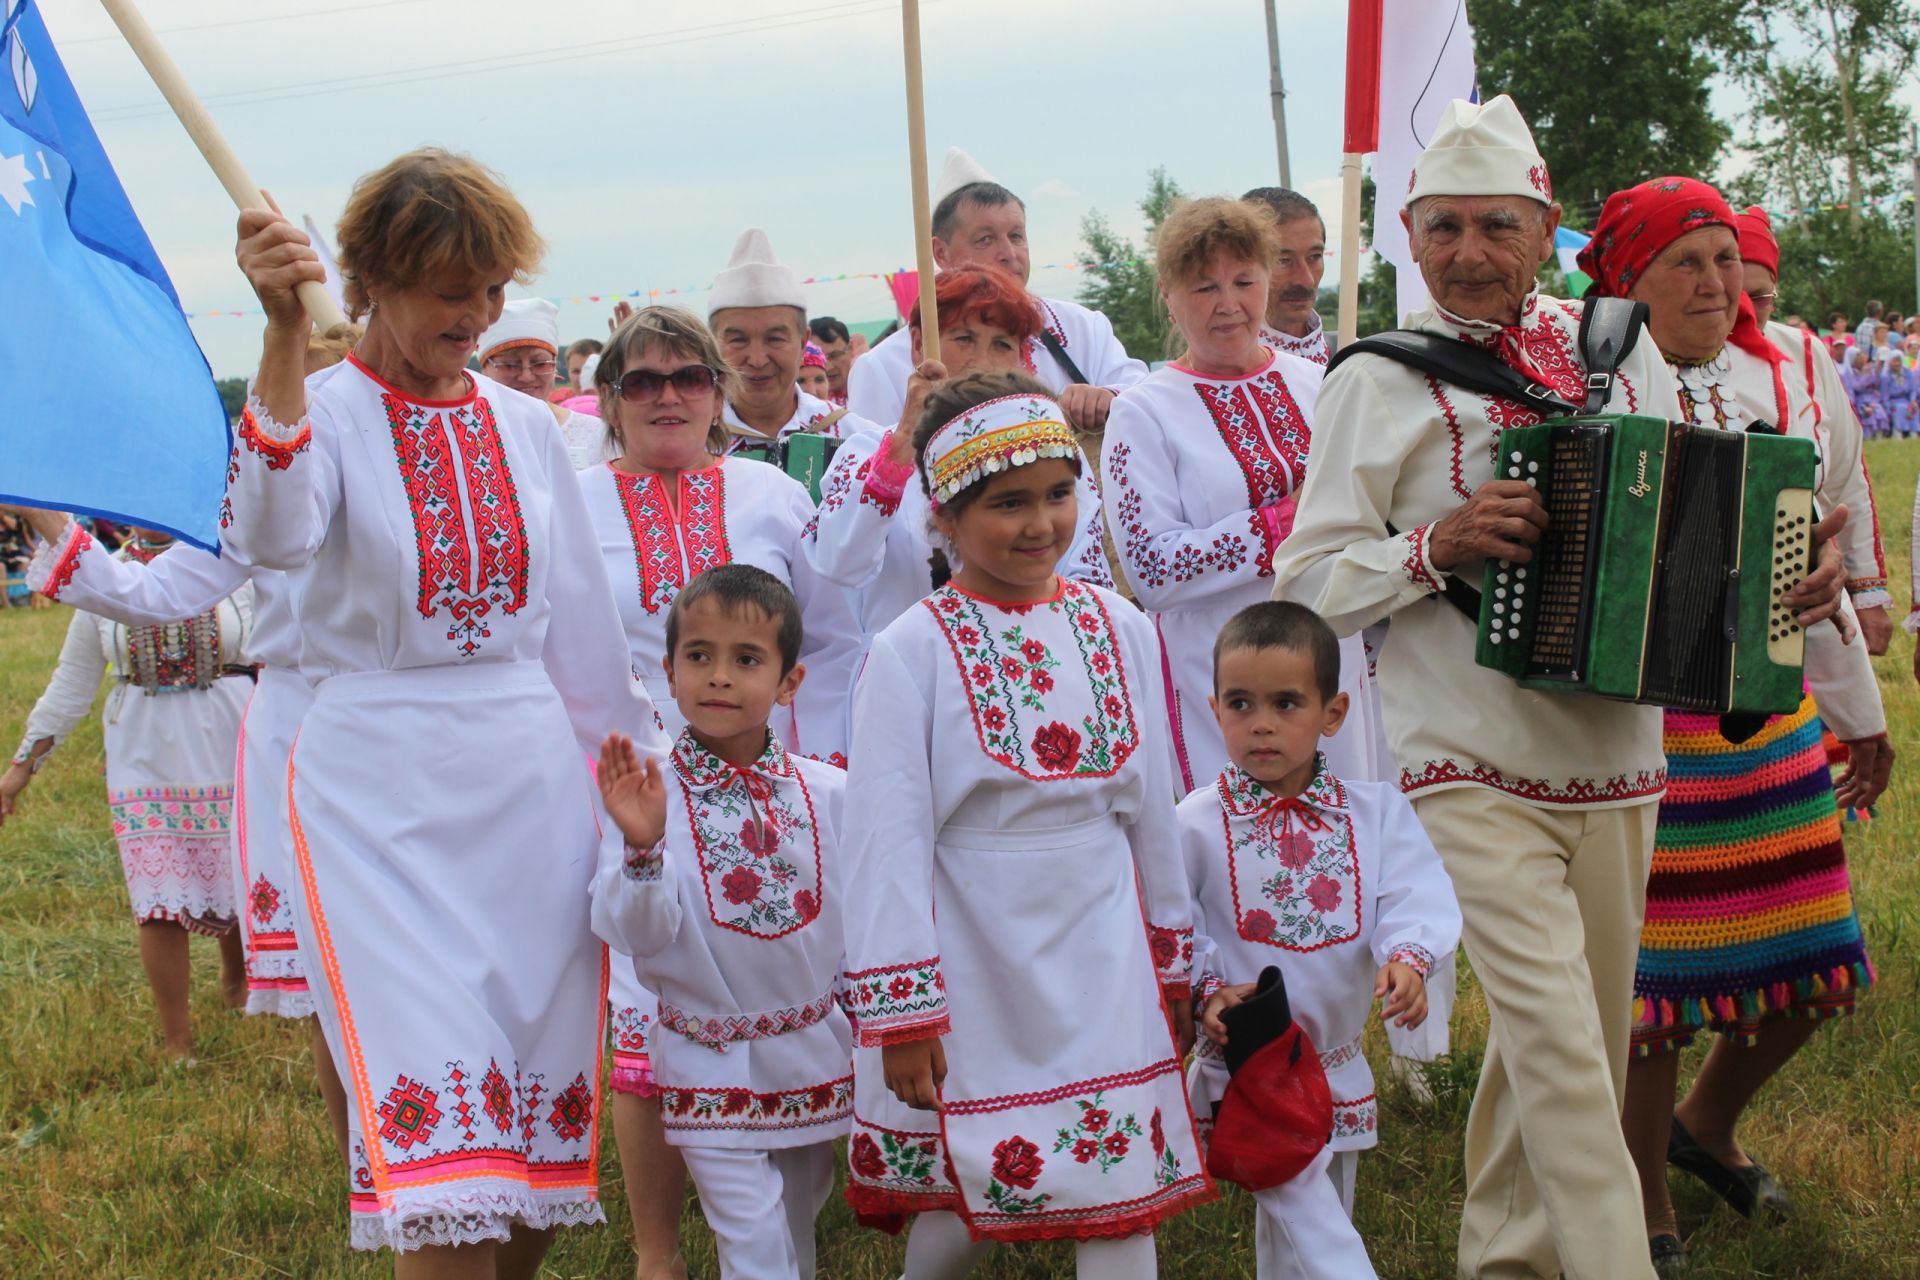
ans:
(1013, 864)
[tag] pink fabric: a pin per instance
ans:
(886, 478)
(1277, 521)
(633, 1073)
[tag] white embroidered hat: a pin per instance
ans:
(1005, 432)
(1481, 149)
(523, 322)
(755, 278)
(960, 170)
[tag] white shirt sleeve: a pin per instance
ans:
(76, 679)
(180, 583)
(1418, 918)
(283, 486)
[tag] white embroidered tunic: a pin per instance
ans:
(1313, 345)
(1198, 475)
(1329, 886)
(995, 894)
(735, 919)
(1396, 448)
(877, 382)
(738, 511)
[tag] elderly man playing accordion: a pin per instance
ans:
(1541, 804)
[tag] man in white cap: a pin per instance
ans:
(521, 351)
(979, 223)
(1541, 805)
(758, 312)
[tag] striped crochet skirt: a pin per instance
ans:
(1749, 910)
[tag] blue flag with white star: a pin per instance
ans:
(107, 406)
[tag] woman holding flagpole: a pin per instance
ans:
(468, 655)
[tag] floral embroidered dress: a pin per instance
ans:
(1009, 826)
(736, 920)
(1199, 477)
(870, 534)
(467, 654)
(1395, 451)
(171, 723)
(1329, 886)
(179, 583)
(877, 381)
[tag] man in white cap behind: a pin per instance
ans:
(1542, 806)
(758, 312)
(979, 223)
(522, 351)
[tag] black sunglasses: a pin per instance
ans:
(641, 385)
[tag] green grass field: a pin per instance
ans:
(112, 1165)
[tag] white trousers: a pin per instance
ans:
(1305, 1227)
(938, 1248)
(761, 1206)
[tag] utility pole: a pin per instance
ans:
(1278, 89)
(1913, 140)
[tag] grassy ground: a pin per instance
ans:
(112, 1165)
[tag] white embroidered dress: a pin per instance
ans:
(468, 655)
(808, 413)
(1329, 887)
(1188, 465)
(171, 723)
(877, 382)
(179, 583)
(1013, 866)
(735, 919)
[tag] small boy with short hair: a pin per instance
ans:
(728, 898)
(1334, 882)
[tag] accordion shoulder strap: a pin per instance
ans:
(1460, 363)
(1609, 328)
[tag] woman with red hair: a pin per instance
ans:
(870, 535)
(1750, 926)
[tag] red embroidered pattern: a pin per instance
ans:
(265, 900)
(1265, 431)
(1537, 175)
(883, 1162)
(572, 1113)
(1150, 566)
(1414, 956)
(1005, 670)
(496, 1097)
(429, 445)
(1356, 1117)
(1416, 562)
(79, 541)
(1433, 773)
(671, 550)
(1172, 953)
(720, 1030)
(753, 844)
(277, 454)
(409, 1113)
(897, 1003)
(1014, 1101)
(1309, 877)
(694, 1107)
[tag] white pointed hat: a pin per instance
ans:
(960, 170)
(1481, 149)
(755, 278)
(589, 373)
(523, 322)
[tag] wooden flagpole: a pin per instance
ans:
(1349, 247)
(917, 162)
(206, 135)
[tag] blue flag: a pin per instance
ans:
(106, 403)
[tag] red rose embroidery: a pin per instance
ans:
(994, 718)
(901, 987)
(982, 673)
(1085, 1149)
(804, 903)
(1158, 1133)
(1056, 747)
(1116, 1144)
(741, 885)
(1166, 947)
(1324, 893)
(1295, 849)
(1017, 1162)
(760, 838)
(1094, 1119)
(929, 1147)
(1033, 651)
(865, 1157)
(1256, 925)
(1041, 681)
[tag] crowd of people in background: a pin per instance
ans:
(1879, 361)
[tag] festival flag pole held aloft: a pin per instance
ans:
(206, 135)
(1362, 134)
(86, 292)
(917, 162)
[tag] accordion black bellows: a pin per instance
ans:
(1658, 579)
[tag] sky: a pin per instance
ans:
(645, 135)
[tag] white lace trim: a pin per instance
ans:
(1873, 598)
(468, 1219)
(269, 426)
(280, 1004)
(47, 555)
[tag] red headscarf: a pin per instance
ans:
(1636, 224)
(1756, 239)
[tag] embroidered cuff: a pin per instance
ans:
(53, 565)
(1208, 986)
(885, 479)
(644, 865)
(898, 1003)
(1276, 523)
(1416, 958)
(1869, 594)
(1417, 565)
(1172, 954)
(276, 443)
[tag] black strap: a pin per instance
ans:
(1059, 352)
(1609, 327)
(1460, 363)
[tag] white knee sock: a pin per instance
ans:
(938, 1248)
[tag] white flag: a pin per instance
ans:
(335, 288)
(1426, 60)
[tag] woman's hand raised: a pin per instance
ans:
(277, 258)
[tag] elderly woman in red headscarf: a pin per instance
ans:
(1750, 924)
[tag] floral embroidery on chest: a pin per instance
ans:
(671, 549)
(468, 528)
(755, 837)
(1293, 869)
(1263, 428)
(1039, 708)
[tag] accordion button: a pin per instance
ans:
(1513, 633)
(1501, 578)
(1495, 637)
(1513, 473)
(1516, 455)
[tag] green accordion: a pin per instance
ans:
(1659, 577)
(803, 455)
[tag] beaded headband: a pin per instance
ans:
(1003, 433)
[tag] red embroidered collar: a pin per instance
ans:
(1243, 797)
(473, 388)
(702, 770)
